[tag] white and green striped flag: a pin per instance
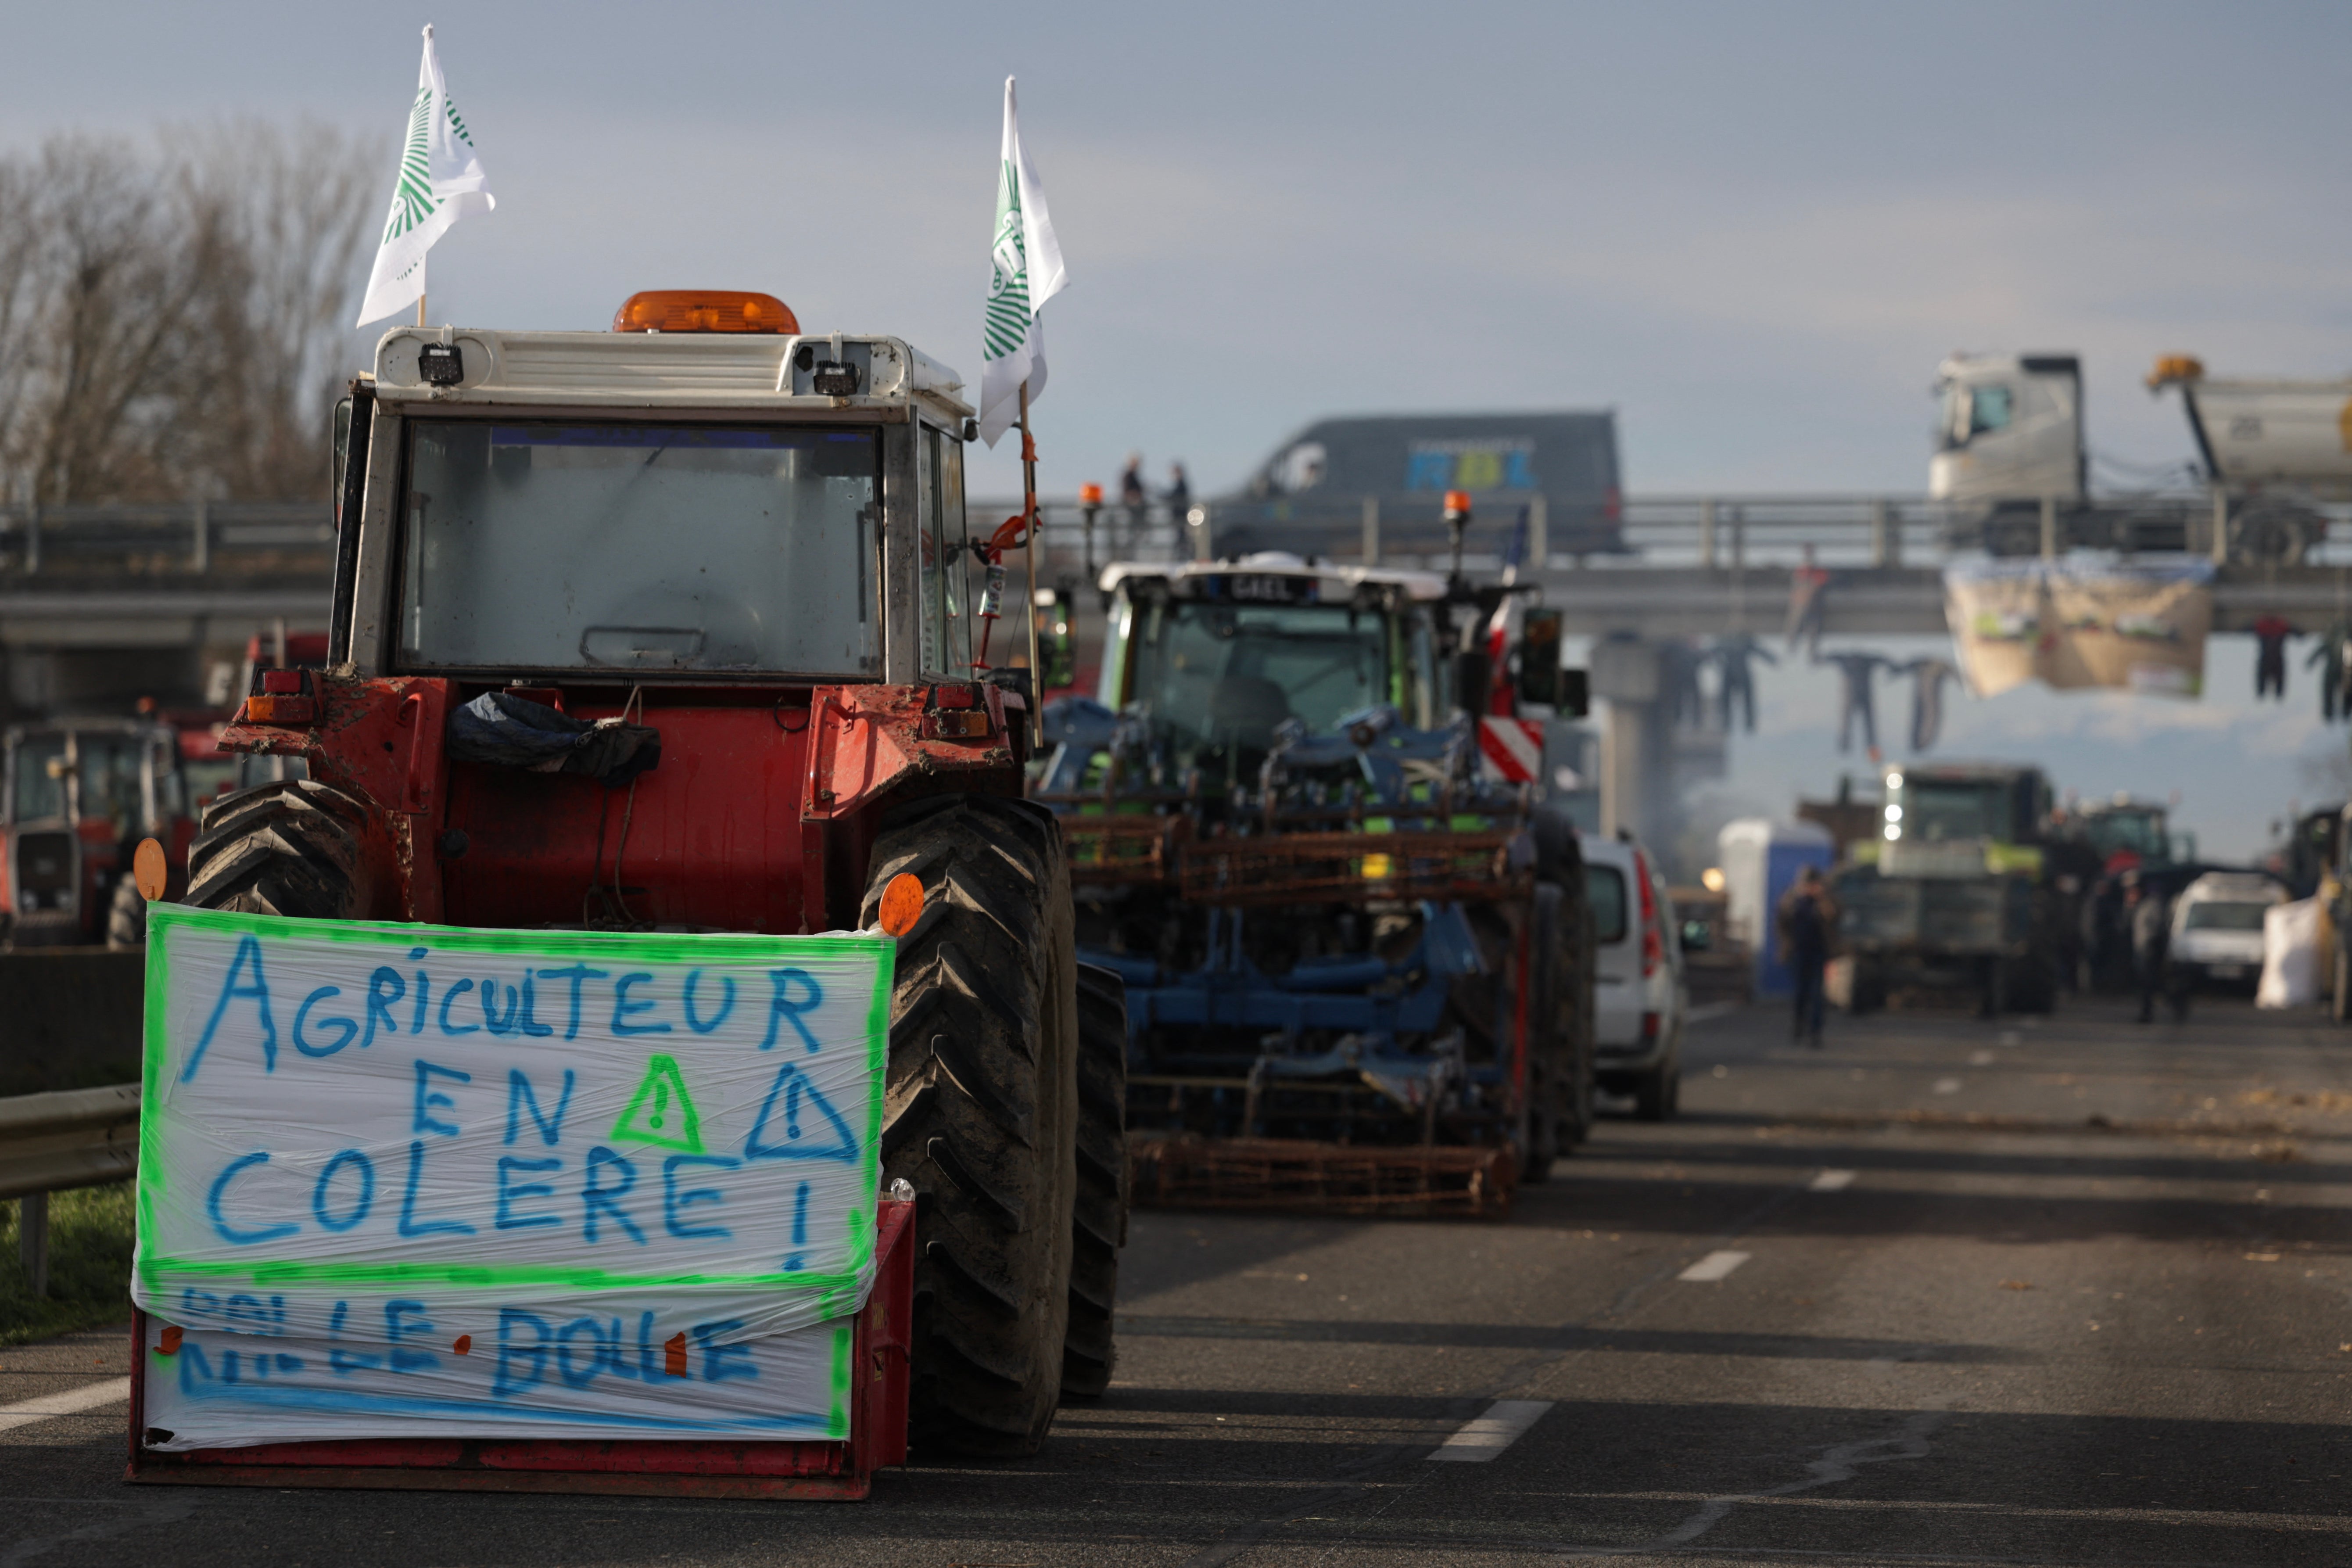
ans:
(440, 181)
(1027, 262)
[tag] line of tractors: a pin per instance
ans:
(1267, 926)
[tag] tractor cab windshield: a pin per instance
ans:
(1218, 678)
(1941, 810)
(89, 775)
(560, 545)
(2136, 830)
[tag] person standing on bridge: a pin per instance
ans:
(1806, 916)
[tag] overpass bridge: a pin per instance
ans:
(101, 605)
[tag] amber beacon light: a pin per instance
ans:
(704, 310)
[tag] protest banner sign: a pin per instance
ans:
(403, 1180)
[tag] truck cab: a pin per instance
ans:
(80, 794)
(2009, 431)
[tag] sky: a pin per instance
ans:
(1752, 229)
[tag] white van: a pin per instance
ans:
(1638, 997)
(2217, 930)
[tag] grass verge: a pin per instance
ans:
(89, 1266)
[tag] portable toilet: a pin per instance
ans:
(1760, 860)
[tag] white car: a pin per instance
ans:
(2217, 929)
(1640, 998)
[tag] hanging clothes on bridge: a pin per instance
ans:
(2328, 659)
(1679, 666)
(1927, 679)
(1859, 701)
(1734, 680)
(1808, 587)
(2271, 631)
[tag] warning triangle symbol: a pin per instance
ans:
(661, 1113)
(803, 1102)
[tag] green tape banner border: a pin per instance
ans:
(652, 947)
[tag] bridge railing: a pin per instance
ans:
(1733, 531)
(167, 539)
(1730, 531)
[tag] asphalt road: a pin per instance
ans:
(2072, 1291)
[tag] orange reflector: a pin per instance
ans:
(704, 310)
(1090, 495)
(149, 870)
(902, 903)
(1457, 500)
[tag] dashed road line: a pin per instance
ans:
(1714, 1266)
(72, 1401)
(1485, 1436)
(1832, 1181)
(1947, 1086)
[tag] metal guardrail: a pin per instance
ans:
(1723, 532)
(167, 539)
(53, 1142)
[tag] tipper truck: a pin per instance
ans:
(1960, 892)
(2010, 445)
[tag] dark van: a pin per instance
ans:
(1309, 497)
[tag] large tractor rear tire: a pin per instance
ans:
(981, 1113)
(291, 846)
(1099, 1214)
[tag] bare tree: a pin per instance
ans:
(170, 321)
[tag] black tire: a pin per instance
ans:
(126, 921)
(980, 1114)
(291, 846)
(1657, 1092)
(1098, 1215)
(1869, 994)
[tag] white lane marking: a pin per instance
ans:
(1484, 1436)
(1833, 1180)
(1981, 1060)
(72, 1401)
(1713, 1266)
(1947, 1086)
(1706, 1012)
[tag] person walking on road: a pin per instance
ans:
(1806, 916)
(2149, 917)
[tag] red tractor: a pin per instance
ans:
(80, 794)
(670, 629)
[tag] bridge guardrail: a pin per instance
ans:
(1733, 530)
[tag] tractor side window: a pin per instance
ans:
(938, 494)
(955, 555)
(109, 781)
(560, 545)
(40, 779)
(170, 794)
(927, 508)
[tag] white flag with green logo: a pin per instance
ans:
(1027, 271)
(441, 181)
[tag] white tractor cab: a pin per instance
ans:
(1640, 998)
(2217, 930)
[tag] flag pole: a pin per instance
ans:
(1029, 510)
(420, 290)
